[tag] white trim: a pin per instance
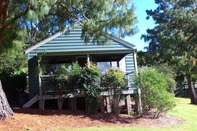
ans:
(44, 41)
(88, 59)
(135, 62)
(121, 41)
(89, 52)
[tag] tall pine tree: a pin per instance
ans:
(96, 17)
(175, 36)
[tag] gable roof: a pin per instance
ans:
(62, 38)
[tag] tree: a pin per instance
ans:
(96, 18)
(174, 36)
(13, 68)
(5, 110)
(12, 62)
(14, 58)
(147, 59)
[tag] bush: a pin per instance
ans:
(59, 83)
(75, 75)
(14, 82)
(154, 94)
(114, 81)
(170, 76)
(66, 80)
(90, 77)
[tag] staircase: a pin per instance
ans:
(31, 102)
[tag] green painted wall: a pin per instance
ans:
(72, 43)
(33, 77)
(130, 67)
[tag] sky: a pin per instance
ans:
(143, 24)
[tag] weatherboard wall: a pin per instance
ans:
(33, 77)
(72, 42)
(130, 68)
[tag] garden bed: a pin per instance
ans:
(50, 120)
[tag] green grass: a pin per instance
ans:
(183, 110)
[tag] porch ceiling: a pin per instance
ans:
(108, 57)
(98, 57)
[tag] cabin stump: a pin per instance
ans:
(73, 103)
(88, 107)
(128, 104)
(102, 108)
(108, 105)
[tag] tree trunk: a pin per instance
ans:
(192, 92)
(5, 109)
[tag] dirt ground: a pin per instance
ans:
(50, 120)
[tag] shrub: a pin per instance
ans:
(75, 75)
(67, 80)
(59, 83)
(14, 82)
(90, 78)
(114, 81)
(170, 76)
(154, 94)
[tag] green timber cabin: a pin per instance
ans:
(68, 47)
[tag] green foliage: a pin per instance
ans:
(9, 38)
(59, 83)
(114, 77)
(42, 64)
(14, 59)
(96, 18)
(91, 83)
(169, 74)
(88, 80)
(147, 59)
(174, 38)
(75, 75)
(13, 66)
(67, 80)
(194, 77)
(154, 92)
(114, 81)
(13, 83)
